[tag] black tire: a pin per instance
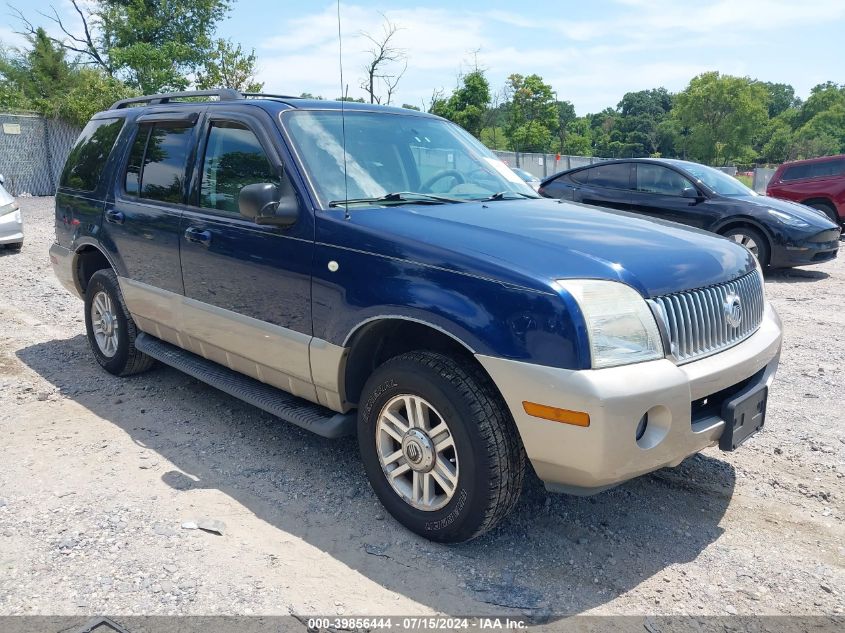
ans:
(15, 247)
(828, 210)
(764, 250)
(491, 456)
(126, 360)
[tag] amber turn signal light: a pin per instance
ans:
(576, 418)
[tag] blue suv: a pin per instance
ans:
(368, 270)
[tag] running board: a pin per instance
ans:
(311, 417)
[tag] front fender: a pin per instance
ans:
(486, 316)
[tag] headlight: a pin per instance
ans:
(789, 220)
(8, 208)
(620, 325)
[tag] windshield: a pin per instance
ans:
(718, 181)
(388, 154)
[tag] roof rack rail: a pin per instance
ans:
(265, 95)
(225, 94)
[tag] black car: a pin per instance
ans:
(779, 233)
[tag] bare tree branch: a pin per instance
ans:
(391, 81)
(84, 46)
(382, 54)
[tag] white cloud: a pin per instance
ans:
(592, 61)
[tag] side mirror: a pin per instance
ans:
(691, 193)
(2, 180)
(266, 203)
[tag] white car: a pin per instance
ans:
(11, 221)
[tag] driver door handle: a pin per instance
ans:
(115, 217)
(198, 236)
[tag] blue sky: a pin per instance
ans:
(591, 52)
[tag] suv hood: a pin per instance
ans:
(529, 241)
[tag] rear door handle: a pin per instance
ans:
(115, 217)
(198, 236)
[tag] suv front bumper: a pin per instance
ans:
(586, 460)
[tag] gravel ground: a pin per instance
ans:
(102, 479)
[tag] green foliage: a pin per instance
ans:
(532, 113)
(781, 98)
(155, 44)
(494, 138)
(227, 66)
(468, 104)
(723, 113)
(41, 79)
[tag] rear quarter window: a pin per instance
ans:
(89, 156)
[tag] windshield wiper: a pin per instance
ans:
(506, 195)
(399, 197)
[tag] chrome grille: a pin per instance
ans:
(697, 320)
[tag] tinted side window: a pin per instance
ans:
(798, 172)
(88, 157)
(661, 180)
(582, 176)
(136, 157)
(827, 169)
(823, 169)
(165, 162)
(615, 176)
(233, 159)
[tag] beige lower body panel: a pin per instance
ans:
(588, 459)
(272, 354)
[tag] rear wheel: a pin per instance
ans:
(439, 446)
(753, 240)
(827, 209)
(111, 330)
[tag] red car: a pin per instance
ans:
(817, 182)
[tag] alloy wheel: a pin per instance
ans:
(417, 452)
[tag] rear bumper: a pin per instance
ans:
(11, 228)
(585, 460)
(62, 260)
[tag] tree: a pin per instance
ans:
(152, 45)
(40, 75)
(532, 113)
(383, 68)
(781, 97)
(41, 79)
(723, 114)
(565, 115)
(639, 126)
(229, 67)
(467, 106)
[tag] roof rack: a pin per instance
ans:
(264, 95)
(225, 94)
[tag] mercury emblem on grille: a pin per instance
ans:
(733, 310)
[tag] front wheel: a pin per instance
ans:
(111, 330)
(439, 446)
(753, 240)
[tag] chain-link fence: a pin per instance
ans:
(33, 151)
